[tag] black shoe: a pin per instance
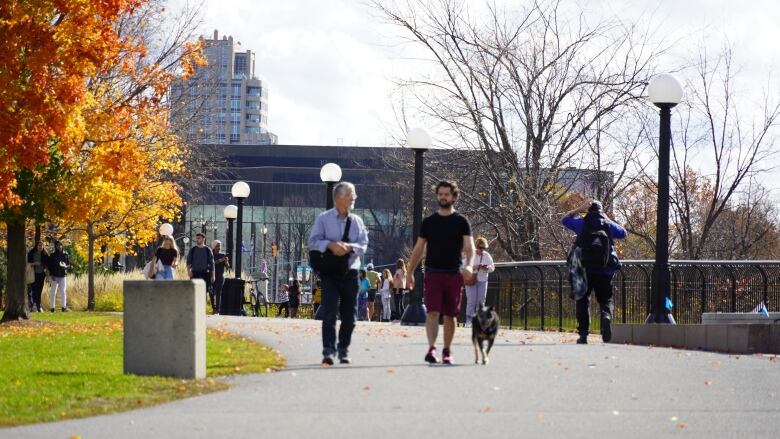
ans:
(606, 329)
(345, 360)
(65, 310)
(327, 361)
(583, 339)
(52, 310)
(430, 357)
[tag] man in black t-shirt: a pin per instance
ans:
(444, 237)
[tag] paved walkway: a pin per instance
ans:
(538, 385)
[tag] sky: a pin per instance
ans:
(330, 64)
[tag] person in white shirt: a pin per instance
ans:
(385, 291)
(475, 294)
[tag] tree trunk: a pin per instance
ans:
(16, 298)
(90, 268)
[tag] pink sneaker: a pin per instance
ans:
(446, 357)
(430, 357)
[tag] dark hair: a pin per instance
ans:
(200, 234)
(363, 273)
(449, 184)
(595, 207)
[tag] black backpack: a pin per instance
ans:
(595, 243)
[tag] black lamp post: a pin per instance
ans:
(665, 92)
(330, 174)
(265, 232)
(230, 212)
(419, 140)
(240, 191)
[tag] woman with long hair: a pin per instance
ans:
(168, 255)
(385, 291)
(221, 263)
(399, 284)
(476, 293)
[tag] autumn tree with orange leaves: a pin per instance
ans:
(84, 128)
(126, 179)
(51, 48)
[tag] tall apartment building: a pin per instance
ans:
(224, 102)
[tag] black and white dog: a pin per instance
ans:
(484, 326)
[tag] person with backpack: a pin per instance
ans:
(595, 253)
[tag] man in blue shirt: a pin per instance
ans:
(339, 292)
(598, 280)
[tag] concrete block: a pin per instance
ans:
(759, 339)
(646, 334)
(695, 337)
(622, 334)
(739, 317)
(774, 339)
(165, 328)
(671, 335)
(737, 335)
(717, 338)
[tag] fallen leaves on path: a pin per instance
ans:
(485, 409)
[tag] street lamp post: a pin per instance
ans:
(230, 212)
(665, 92)
(240, 191)
(330, 174)
(265, 232)
(420, 141)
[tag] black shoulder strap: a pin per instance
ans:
(345, 238)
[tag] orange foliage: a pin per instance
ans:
(50, 48)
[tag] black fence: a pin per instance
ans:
(535, 295)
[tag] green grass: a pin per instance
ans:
(69, 365)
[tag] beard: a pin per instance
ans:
(445, 204)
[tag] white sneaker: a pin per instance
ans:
(467, 324)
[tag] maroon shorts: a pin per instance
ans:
(443, 292)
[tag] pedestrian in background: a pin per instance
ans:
(399, 284)
(37, 258)
(476, 293)
(295, 298)
(373, 281)
(58, 264)
(385, 291)
(200, 265)
(284, 301)
(363, 286)
(316, 297)
(221, 263)
(168, 255)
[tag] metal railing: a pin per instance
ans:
(535, 295)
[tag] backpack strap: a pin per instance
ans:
(345, 238)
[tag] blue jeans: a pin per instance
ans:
(166, 274)
(338, 294)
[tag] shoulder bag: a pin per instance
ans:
(327, 264)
